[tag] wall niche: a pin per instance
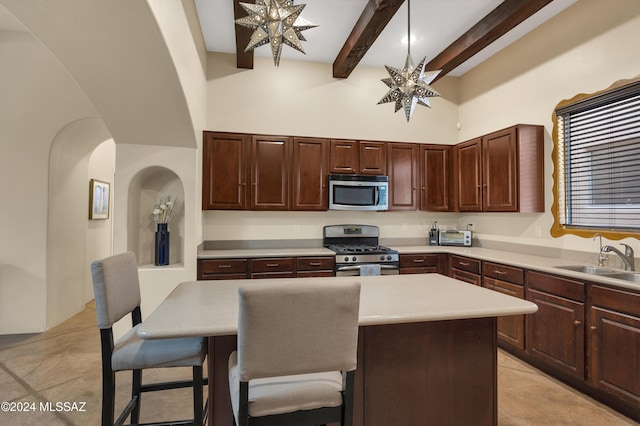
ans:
(145, 190)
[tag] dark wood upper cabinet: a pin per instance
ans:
(343, 157)
(502, 171)
(310, 171)
(225, 171)
(499, 172)
(270, 172)
(402, 166)
(435, 178)
(357, 157)
(373, 158)
(469, 175)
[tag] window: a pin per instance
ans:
(597, 163)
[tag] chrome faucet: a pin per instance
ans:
(601, 256)
(627, 257)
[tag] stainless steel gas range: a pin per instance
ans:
(358, 251)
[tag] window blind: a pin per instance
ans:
(599, 161)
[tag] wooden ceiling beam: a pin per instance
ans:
(243, 36)
(374, 18)
(500, 21)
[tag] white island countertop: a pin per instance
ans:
(210, 308)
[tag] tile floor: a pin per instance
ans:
(63, 365)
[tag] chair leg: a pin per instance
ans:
(197, 395)
(136, 383)
(108, 396)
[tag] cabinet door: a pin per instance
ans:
(423, 263)
(316, 266)
(510, 328)
(310, 174)
(469, 176)
(222, 269)
(500, 174)
(270, 169)
(467, 277)
(614, 344)
(343, 156)
(224, 171)
(555, 334)
(402, 165)
(372, 158)
(615, 354)
(435, 178)
(276, 267)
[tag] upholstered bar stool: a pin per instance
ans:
(117, 293)
(297, 354)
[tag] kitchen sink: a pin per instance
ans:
(627, 276)
(605, 272)
(594, 270)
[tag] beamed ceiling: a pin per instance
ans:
(461, 30)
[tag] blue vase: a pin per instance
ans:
(162, 244)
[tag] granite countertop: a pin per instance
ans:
(200, 308)
(527, 261)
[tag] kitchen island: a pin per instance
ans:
(427, 347)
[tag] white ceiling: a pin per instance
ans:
(435, 24)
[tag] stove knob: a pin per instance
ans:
(381, 257)
(388, 257)
(354, 258)
(346, 258)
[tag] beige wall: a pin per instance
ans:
(584, 49)
(303, 99)
(73, 75)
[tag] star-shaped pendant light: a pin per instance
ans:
(276, 22)
(409, 86)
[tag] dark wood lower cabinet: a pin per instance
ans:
(316, 266)
(429, 373)
(511, 328)
(555, 333)
(466, 269)
(266, 267)
(423, 263)
(614, 350)
(222, 269)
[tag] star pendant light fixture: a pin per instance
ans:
(276, 22)
(409, 86)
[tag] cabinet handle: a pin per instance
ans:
(593, 328)
(418, 260)
(315, 264)
(272, 265)
(577, 322)
(500, 272)
(463, 263)
(224, 266)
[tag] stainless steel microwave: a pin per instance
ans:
(358, 192)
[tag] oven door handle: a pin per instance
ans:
(356, 267)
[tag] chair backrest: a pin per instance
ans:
(297, 328)
(116, 287)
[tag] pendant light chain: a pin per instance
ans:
(408, 27)
(409, 85)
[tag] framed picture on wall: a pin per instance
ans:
(98, 199)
